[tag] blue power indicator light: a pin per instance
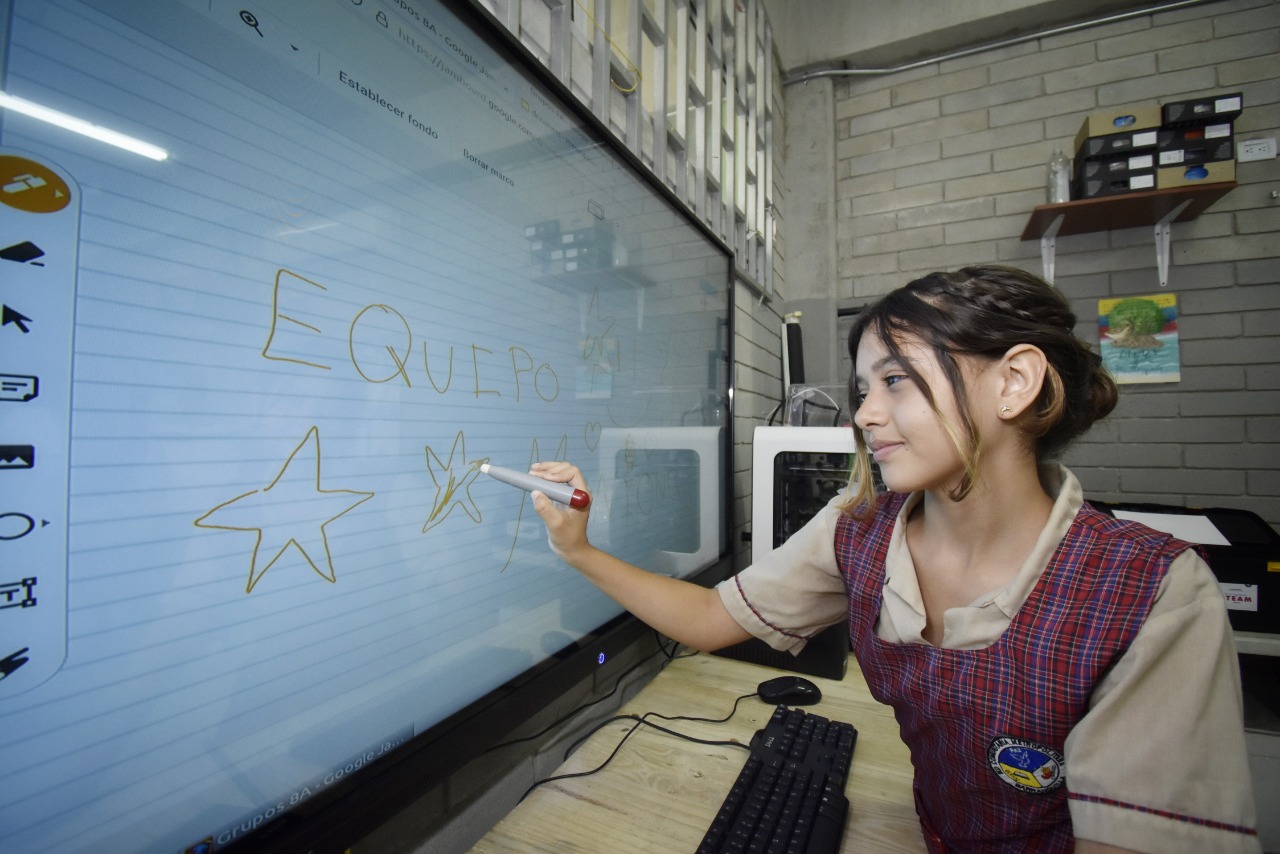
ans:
(600, 658)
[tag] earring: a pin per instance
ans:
(1005, 410)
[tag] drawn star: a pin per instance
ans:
(451, 490)
(292, 510)
(593, 346)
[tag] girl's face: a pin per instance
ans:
(905, 436)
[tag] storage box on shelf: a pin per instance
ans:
(1145, 147)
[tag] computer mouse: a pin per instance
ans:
(790, 690)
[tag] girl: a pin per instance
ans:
(1065, 681)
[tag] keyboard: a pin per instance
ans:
(789, 796)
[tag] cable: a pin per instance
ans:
(670, 656)
(632, 66)
(1007, 42)
(725, 719)
(642, 720)
(802, 400)
(603, 724)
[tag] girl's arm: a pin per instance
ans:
(1182, 783)
(681, 610)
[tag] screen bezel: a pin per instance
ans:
(348, 811)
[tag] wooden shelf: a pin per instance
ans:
(1124, 211)
(1157, 208)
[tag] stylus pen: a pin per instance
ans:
(560, 492)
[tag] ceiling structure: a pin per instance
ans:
(878, 34)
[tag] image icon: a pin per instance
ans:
(17, 457)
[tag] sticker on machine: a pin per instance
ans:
(1026, 766)
(1240, 597)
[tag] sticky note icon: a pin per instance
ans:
(18, 388)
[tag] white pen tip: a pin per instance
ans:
(484, 468)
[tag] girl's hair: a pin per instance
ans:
(982, 312)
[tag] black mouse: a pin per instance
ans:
(791, 690)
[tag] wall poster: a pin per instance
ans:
(1138, 338)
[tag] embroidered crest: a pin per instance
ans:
(1026, 766)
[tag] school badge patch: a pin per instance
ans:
(1026, 766)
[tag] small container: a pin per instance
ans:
(1059, 178)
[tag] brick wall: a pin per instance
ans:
(940, 166)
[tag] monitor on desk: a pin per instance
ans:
(277, 279)
(670, 476)
(795, 472)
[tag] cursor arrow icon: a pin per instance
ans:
(8, 315)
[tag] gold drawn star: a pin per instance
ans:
(286, 512)
(594, 346)
(448, 484)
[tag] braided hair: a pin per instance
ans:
(982, 312)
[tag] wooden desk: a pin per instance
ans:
(659, 793)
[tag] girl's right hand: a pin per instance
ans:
(566, 526)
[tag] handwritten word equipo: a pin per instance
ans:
(379, 343)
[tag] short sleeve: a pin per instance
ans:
(1159, 763)
(795, 591)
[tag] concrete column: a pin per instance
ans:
(810, 191)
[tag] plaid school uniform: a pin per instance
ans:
(986, 727)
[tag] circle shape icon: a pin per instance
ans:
(15, 525)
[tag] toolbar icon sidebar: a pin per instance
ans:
(39, 239)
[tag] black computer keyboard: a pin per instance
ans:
(789, 796)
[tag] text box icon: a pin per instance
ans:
(18, 387)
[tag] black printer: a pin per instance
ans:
(1247, 566)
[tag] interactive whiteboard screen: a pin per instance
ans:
(278, 277)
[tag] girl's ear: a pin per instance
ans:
(1019, 378)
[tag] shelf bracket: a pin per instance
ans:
(1162, 241)
(1049, 247)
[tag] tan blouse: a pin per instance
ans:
(1163, 739)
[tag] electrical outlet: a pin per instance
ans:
(1255, 149)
